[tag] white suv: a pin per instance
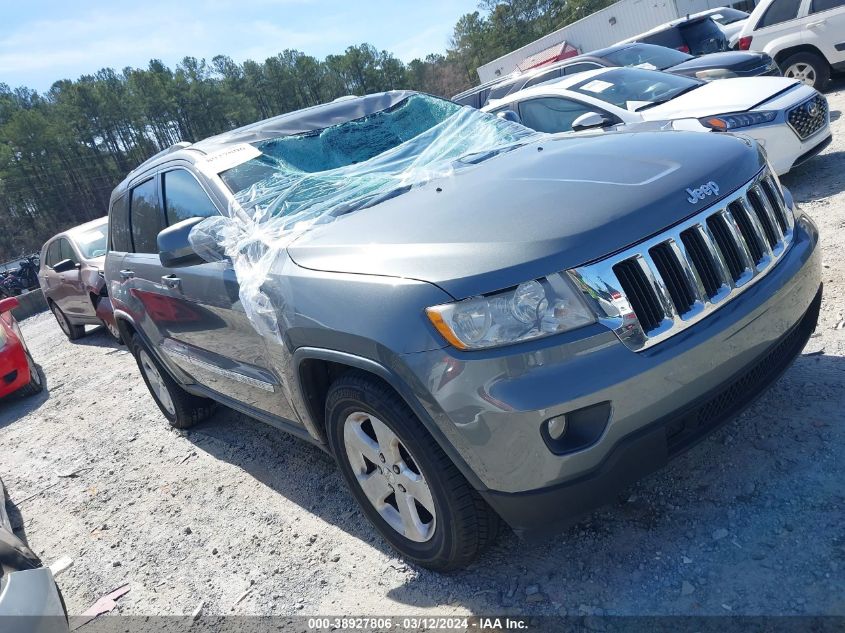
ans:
(805, 37)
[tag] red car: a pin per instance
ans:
(18, 372)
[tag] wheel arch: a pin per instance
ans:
(315, 369)
(782, 55)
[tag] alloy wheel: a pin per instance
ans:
(803, 72)
(389, 476)
(156, 382)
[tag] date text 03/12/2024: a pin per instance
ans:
(417, 623)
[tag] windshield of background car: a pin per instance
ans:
(92, 243)
(357, 163)
(631, 88)
(647, 56)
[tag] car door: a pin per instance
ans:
(780, 21)
(50, 278)
(200, 322)
(70, 287)
(555, 114)
(825, 28)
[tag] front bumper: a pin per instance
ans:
(540, 512)
(14, 368)
(783, 147)
(491, 405)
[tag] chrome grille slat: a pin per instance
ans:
(759, 233)
(722, 268)
(655, 289)
(776, 236)
(651, 273)
(744, 253)
(690, 274)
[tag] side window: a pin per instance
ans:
(145, 217)
(67, 251)
(53, 254)
(579, 68)
(817, 6)
(184, 198)
(554, 74)
(552, 114)
(121, 239)
(779, 11)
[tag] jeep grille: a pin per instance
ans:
(662, 286)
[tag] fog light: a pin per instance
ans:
(576, 430)
(556, 427)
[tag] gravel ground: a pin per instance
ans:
(749, 522)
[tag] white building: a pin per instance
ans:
(612, 24)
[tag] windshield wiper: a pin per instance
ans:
(662, 101)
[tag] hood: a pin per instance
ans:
(732, 60)
(721, 97)
(547, 206)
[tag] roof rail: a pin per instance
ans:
(164, 152)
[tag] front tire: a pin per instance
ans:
(72, 331)
(406, 485)
(808, 68)
(182, 409)
(36, 382)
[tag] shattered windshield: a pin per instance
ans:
(358, 163)
(287, 185)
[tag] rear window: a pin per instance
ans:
(778, 12)
(703, 37)
(145, 217)
(119, 225)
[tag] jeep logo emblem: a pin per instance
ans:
(707, 189)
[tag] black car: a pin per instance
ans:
(636, 54)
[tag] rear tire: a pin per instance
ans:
(436, 519)
(808, 68)
(72, 331)
(36, 382)
(182, 409)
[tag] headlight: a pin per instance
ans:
(531, 310)
(715, 73)
(727, 122)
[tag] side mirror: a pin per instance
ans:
(8, 304)
(174, 247)
(509, 115)
(66, 265)
(589, 121)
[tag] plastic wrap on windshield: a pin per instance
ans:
(303, 181)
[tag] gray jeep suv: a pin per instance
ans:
(503, 335)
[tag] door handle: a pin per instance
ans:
(172, 282)
(817, 23)
(127, 274)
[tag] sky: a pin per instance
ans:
(42, 41)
